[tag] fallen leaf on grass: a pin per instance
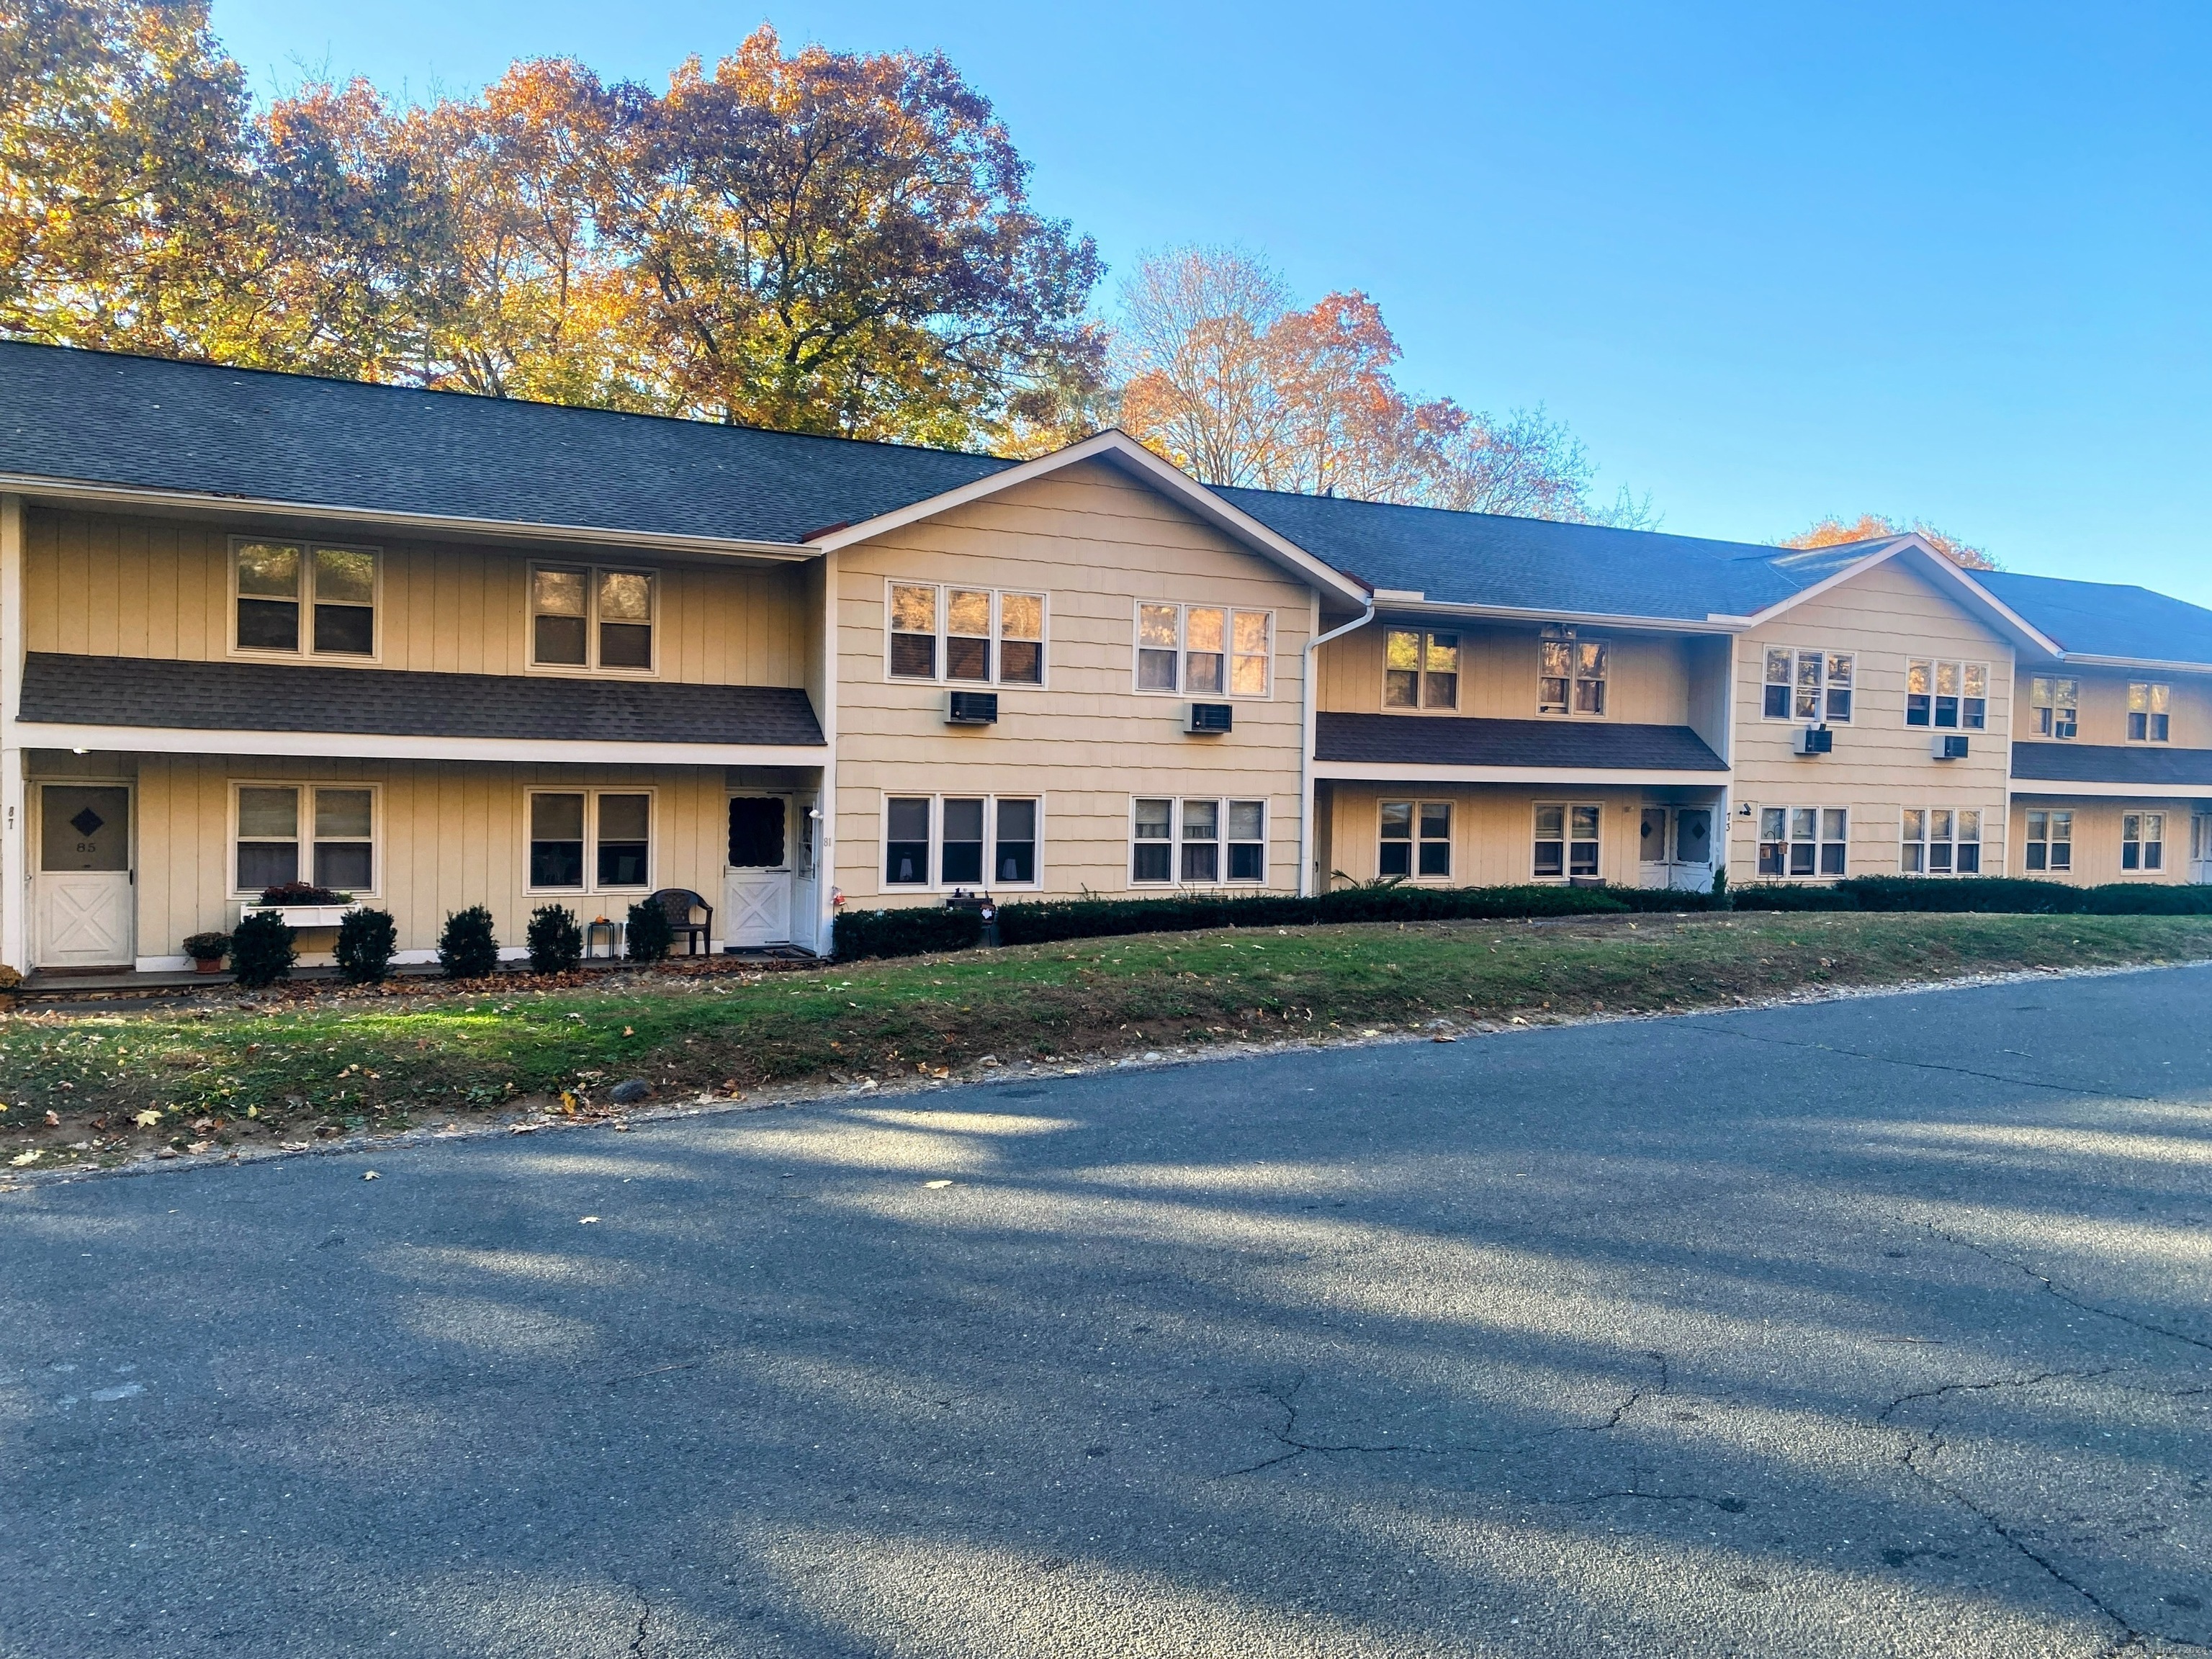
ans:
(53, 1119)
(147, 1120)
(21, 1159)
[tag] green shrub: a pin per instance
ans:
(468, 949)
(649, 933)
(1665, 898)
(1992, 894)
(555, 942)
(1777, 896)
(261, 950)
(2131, 898)
(366, 940)
(909, 932)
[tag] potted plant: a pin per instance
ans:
(305, 904)
(206, 950)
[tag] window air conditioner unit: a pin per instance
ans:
(1207, 718)
(1948, 747)
(972, 708)
(1812, 740)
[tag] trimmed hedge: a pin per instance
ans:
(1982, 895)
(902, 932)
(1064, 918)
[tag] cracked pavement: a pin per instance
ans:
(1880, 1326)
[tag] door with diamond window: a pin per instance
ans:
(82, 908)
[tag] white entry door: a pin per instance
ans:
(756, 883)
(81, 905)
(2200, 846)
(1677, 848)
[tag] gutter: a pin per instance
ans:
(1312, 700)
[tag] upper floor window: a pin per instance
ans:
(1955, 695)
(1203, 650)
(1571, 675)
(978, 635)
(1809, 686)
(582, 616)
(304, 599)
(2054, 706)
(1420, 669)
(2149, 711)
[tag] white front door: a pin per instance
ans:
(757, 882)
(82, 908)
(1677, 848)
(2200, 848)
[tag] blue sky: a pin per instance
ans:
(1770, 262)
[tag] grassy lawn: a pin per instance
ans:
(123, 1084)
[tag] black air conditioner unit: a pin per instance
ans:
(1813, 740)
(1207, 718)
(1947, 748)
(972, 708)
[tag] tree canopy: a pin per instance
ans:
(1833, 532)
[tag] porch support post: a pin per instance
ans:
(825, 799)
(15, 831)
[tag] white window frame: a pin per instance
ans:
(1934, 665)
(1573, 639)
(1824, 819)
(591, 792)
(935, 866)
(307, 838)
(1932, 841)
(2154, 692)
(2049, 843)
(2144, 819)
(1417, 842)
(1824, 688)
(1224, 807)
(1566, 874)
(590, 666)
(1229, 654)
(305, 650)
(2045, 704)
(1425, 638)
(998, 595)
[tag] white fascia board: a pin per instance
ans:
(1543, 776)
(355, 745)
(2053, 789)
(2146, 665)
(1120, 449)
(125, 496)
(1975, 596)
(1447, 607)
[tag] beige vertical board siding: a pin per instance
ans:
(2097, 838)
(105, 585)
(1086, 743)
(1493, 829)
(1885, 617)
(1649, 675)
(450, 834)
(2104, 706)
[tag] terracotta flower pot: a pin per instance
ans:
(207, 964)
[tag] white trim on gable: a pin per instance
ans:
(1117, 448)
(1976, 595)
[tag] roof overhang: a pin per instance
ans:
(132, 498)
(356, 746)
(1542, 777)
(1423, 606)
(2061, 789)
(1959, 583)
(1118, 449)
(2154, 665)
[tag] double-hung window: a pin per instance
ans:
(291, 832)
(1571, 675)
(1197, 842)
(1941, 841)
(1203, 650)
(1420, 669)
(593, 840)
(1803, 841)
(584, 616)
(2142, 841)
(966, 635)
(1416, 839)
(1566, 843)
(2054, 706)
(960, 841)
(2150, 704)
(1809, 685)
(304, 599)
(2050, 841)
(1952, 695)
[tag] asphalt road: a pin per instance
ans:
(1880, 1327)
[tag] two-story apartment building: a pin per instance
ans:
(434, 651)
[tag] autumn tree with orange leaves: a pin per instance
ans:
(1872, 526)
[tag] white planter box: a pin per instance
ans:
(301, 915)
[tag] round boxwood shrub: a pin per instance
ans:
(366, 940)
(261, 950)
(650, 932)
(468, 949)
(555, 942)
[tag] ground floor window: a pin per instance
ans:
(2050, 841)
(590, 840)
(960, 841)
(1941, 841)
(1416, 837)
(1566, 842)
(1803, 841)
(1200, 841)
(304, 832)
(2142, 841)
